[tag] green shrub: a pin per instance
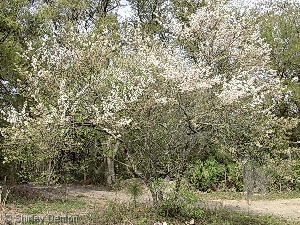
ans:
(206, 176)
(234, 177)
(135, 191)
(180, 204)
(213, 175)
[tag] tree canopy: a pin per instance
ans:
(152, 93)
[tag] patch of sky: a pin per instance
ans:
(124, 11)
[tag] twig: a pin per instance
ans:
(127, 220)
(3, 200)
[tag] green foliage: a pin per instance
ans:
(18, 28)
(61, 205)
(296, 176)
(206, 175)
(280, 28)
(284, 176)
(24, 176)
(179, 204)
(12, 35)
(135, 191)
(149, 14)
(234, 176)
(213, 175)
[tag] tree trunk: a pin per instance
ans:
(157, 197)
(110, 171)
(84, 175)
(49, 175)
(110, 165)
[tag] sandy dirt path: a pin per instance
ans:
(285, 208)
(101, 195)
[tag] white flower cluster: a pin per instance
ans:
(232, 50)
(95, 81)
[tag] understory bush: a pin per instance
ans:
(285, 176)
(180, 204)
(213, 175)
(127, 214)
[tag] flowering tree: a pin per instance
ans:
(163, 103)
(225, 96)
(72, 86)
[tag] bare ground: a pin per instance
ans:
(103, 195)
(285, 208)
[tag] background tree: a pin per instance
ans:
(18, 25)
(231, 55)
(58, 82)
(80, 15)
(150, 16)
(32, 25)
(280, 24)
